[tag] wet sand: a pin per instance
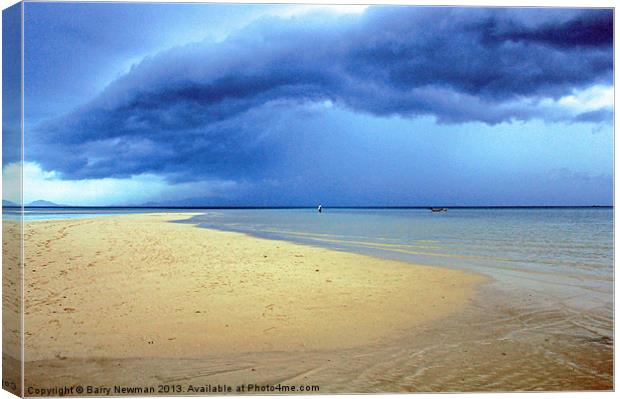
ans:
(528, 349)
(137, 300)
(466, 352)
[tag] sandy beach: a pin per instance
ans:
(140, 288)
(11, 306)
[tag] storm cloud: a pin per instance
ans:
(208, 109)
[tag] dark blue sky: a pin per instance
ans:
(293, 105)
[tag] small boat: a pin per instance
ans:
(439, 209)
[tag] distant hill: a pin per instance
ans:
(42, 203)
(8, 203)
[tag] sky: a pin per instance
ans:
(289, 105)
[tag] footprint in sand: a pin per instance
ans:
(268, 309)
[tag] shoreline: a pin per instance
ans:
(503, 272)
(229, 291)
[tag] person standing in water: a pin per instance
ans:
(320, 208)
